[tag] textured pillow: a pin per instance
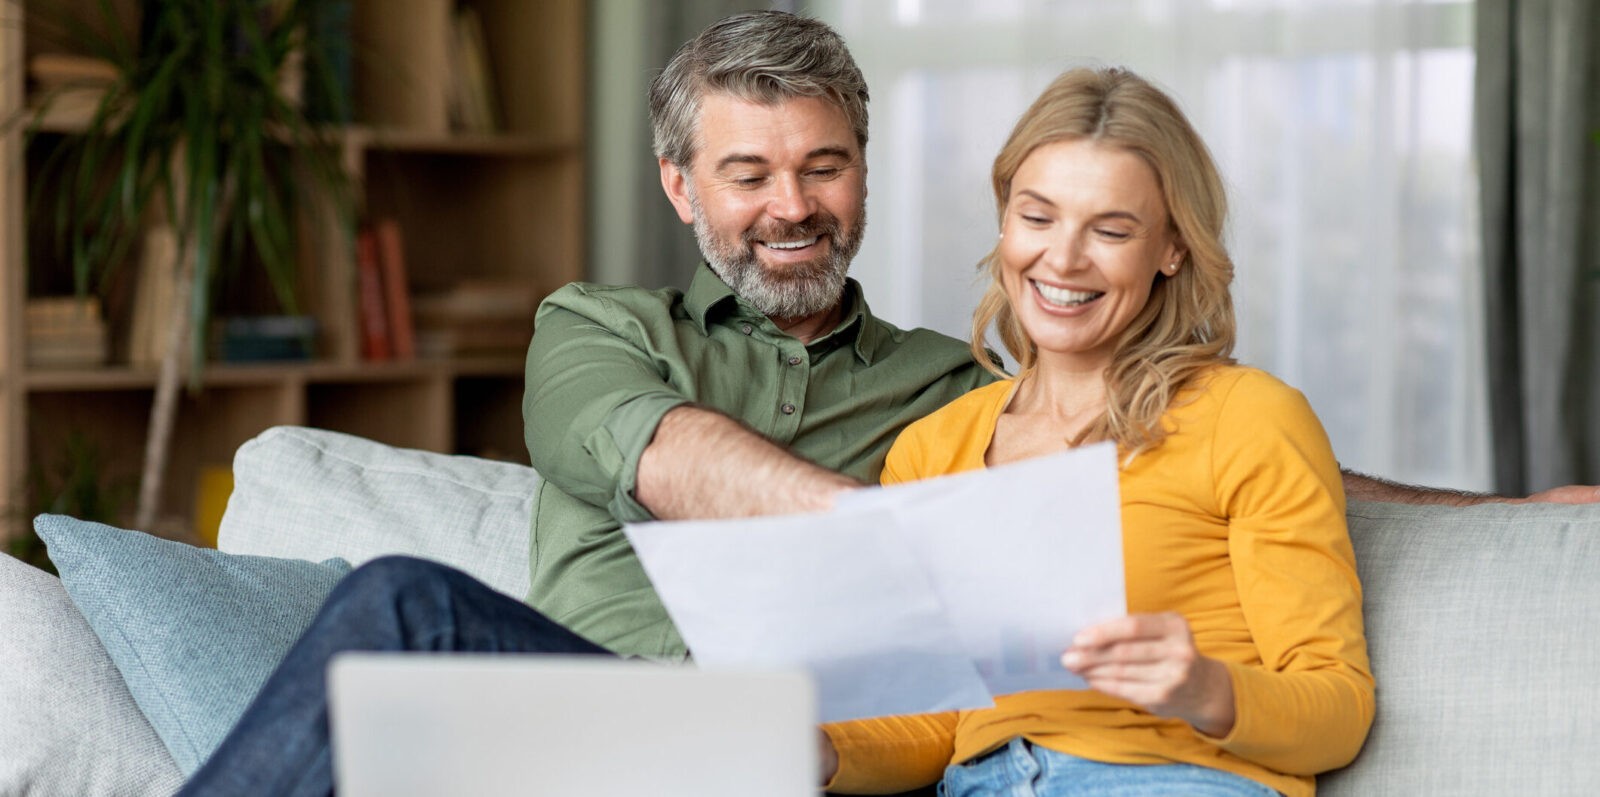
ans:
(1484, 629)
(194, 632)
(68, 726)
(311, 494)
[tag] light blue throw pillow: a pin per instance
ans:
(194, 632)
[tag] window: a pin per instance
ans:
(1342, 129)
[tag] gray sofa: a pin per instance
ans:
(1483, 623)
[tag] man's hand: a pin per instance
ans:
(1570, 494)
(1151, 660)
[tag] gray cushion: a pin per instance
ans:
(68, 726)
(1484, 629)
(313, 494)
(194, 632)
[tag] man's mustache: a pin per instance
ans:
(816, 224)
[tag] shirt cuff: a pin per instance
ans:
(1242, 731)
(619, 442)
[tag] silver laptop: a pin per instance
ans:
(444, 724)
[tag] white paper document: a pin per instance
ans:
(921, 597)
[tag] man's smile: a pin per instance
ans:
(799, 244)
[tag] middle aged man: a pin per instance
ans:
(767, 387)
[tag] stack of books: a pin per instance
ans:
(264, 338)
(65, 332)
(69, 87)
(486, 317)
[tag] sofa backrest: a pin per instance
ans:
(1484, 629)
(1483, 622)
(313, 494)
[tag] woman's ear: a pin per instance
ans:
(1176, 252)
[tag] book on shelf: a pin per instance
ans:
(476, 317)
(65, 332)
(154, 297)
(264, 338)
(66, 88)
(383, 306)
(370, 311)
(474, 104)
(396, 289)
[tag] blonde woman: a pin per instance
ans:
(1242, 665)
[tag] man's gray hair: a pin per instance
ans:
(763, 57)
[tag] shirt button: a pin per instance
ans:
(746, 328)
(794, 360)
(787, 409)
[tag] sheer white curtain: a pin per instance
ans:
(1342, 130)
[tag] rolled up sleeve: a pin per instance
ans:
(590, 387)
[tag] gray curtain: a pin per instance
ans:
(634, 236)
(1537, 116)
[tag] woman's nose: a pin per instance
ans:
(1064, 251)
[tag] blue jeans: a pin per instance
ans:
(1023, 769)
(280, 745)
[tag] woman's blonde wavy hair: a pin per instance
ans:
(1187, 325)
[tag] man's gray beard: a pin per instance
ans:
(802, 289)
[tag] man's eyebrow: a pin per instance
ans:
(829, 152)
(754, 160)
(757, 160)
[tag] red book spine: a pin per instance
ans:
(396, 289)
(375, 343)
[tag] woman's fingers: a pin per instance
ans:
(1132, 627)
(1151, 660)
(1132, 639)
(1124, 654)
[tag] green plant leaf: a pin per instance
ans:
(198, 86)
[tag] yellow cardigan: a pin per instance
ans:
(1236, 521)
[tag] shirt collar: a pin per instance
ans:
(710, 298)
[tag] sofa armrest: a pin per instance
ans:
(313, 494)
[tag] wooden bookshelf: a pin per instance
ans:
(499, 205)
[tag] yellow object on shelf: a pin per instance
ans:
(210, 499)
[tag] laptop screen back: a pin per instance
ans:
(432, 724)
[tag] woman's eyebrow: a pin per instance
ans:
(1036, 196)
(1110, 214)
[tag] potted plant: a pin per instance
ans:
(203, 127)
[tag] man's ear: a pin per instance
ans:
(676, 184)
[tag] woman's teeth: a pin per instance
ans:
(1061, 297)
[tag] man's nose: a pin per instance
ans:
(790, 200)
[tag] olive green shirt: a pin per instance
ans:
(606, 363)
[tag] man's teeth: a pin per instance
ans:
(1062, 297)
(801, 244)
